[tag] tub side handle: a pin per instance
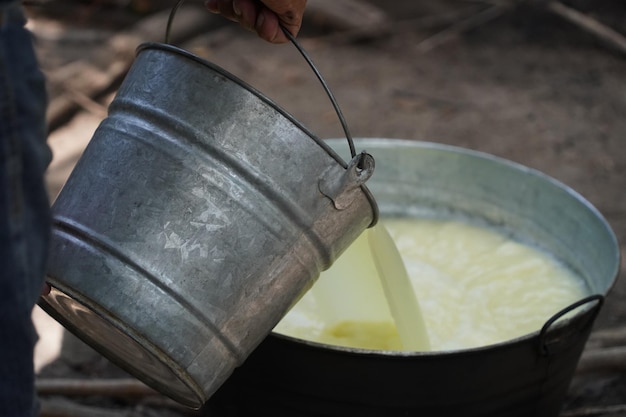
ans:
(551, 345)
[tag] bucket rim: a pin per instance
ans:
(261, 96)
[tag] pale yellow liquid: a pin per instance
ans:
(475, 287)
(401, 298)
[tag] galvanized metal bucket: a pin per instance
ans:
(525, 377)
(199, 212)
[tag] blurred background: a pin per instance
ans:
(542, 83)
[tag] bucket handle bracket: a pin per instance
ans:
(341, 186)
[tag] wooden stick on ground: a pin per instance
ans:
(132, 391)
(105, 68)
(58, 407)
(595, 411)
(464, 25)
(605, 33)
(87, 103)
(607, 337)
(346, 14)
(603, 360)
(98, 387)
(366, 32)
(62, 407)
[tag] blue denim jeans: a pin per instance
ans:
(24, 209)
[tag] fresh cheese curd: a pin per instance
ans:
(474, 286)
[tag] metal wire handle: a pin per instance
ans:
(306, 57)
(543, 334)
(329, 93)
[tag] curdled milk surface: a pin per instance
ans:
(475, 287)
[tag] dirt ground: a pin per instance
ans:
(525, 85)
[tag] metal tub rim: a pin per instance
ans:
(585, 306)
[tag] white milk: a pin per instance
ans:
(398, 290)
(475, 287)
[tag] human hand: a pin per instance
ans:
(264, 17)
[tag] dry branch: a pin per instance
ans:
(602, 360)
(64, 408)
(606, 34)
(363, 32)
(607, 338)
(461, 26)
(163, 402)
(87, 103)
(603, 32)
(106, 67)
(97, 387)
(54, 393)
(595, 411)
(346, 14)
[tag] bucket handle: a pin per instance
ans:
(544, 344)
(307, 58)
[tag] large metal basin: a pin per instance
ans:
(525, 377)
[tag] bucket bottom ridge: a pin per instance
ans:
(95, 327)
(128, 349)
